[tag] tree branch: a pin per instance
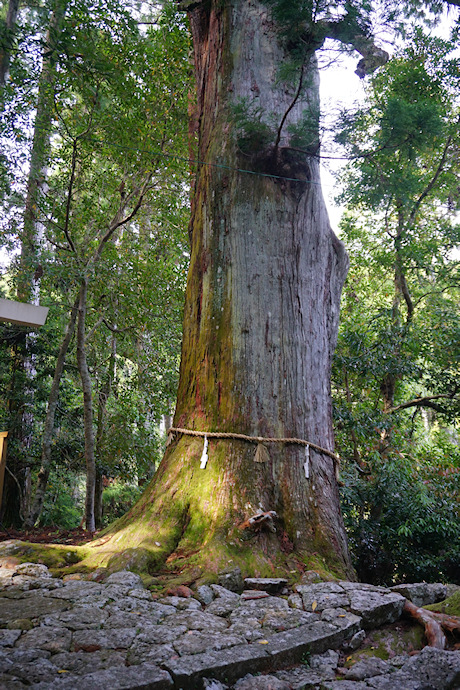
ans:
(425, 401)
(432, 182)
(349, 32)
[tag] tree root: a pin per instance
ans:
(434, 623)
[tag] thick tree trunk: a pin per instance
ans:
(260, 324)
(43, 475)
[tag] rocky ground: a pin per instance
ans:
(81, 635)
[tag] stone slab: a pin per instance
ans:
(314, 638)
(142, 677)
(227, 665)
(29, 607)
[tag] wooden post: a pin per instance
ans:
(3, 442)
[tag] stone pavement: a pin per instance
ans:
(86, 635)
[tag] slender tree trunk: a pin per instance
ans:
(87, 408)
(5, 50)
(260, 324)
(43, 475)
(103, 397)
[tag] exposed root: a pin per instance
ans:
(434, 623)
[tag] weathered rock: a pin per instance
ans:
(249, 628)
(277, 621)
(422, 593)
(9, 637)
(78, 619)
(310, 577)
(92, 640)
(232, 580)
(367, 668)
(198, 620)
(213, 684)
(345, 685)
(77, 589)
(273, 585)
(266, 682)
(324, 595)
(154, 611)
(181, 604)
(30, 605)
(292, 645)
(138, 677)
(52, 639)
(301, 678)
(432, 668)
(82, 663)
(161, 634)
(295, 601)
(33, 570)
(36, 671)
(376, 608)
(312, 673)
(125, 578)
(227, 665)
(196, 642)
(225, 601)
(20, 624)
(355, 642)
(146, 652)
(205, 595)
(252, 594)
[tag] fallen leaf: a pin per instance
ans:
(262, 641)
(314, 605)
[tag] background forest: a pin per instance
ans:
(95, 173)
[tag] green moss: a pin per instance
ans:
(451, 605)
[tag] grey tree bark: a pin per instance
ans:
(44, 472)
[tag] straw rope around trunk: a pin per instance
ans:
(254, 439)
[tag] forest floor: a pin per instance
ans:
(48, 535)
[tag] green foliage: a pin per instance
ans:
(64, 502)
(117, 499)
(253, 135)
(403, 522)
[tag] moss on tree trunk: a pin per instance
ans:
(260, 324)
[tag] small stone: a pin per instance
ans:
(9, 637)
(422, 593)
(367, 668)
(51, 639)
(33, 570)
(273, 585)
(355, 642)
(195, 642)
(261, 683)
(253, 594)
(232, 580)
(92, 640)
(295, 601)
(310, 577)
(213, 684)
(205, 595)
(126, 578)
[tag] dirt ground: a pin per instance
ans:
(47, 535)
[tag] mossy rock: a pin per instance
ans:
(451, 605)
(389, 641)
(138, 560)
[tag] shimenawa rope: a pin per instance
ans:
(254, 439)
